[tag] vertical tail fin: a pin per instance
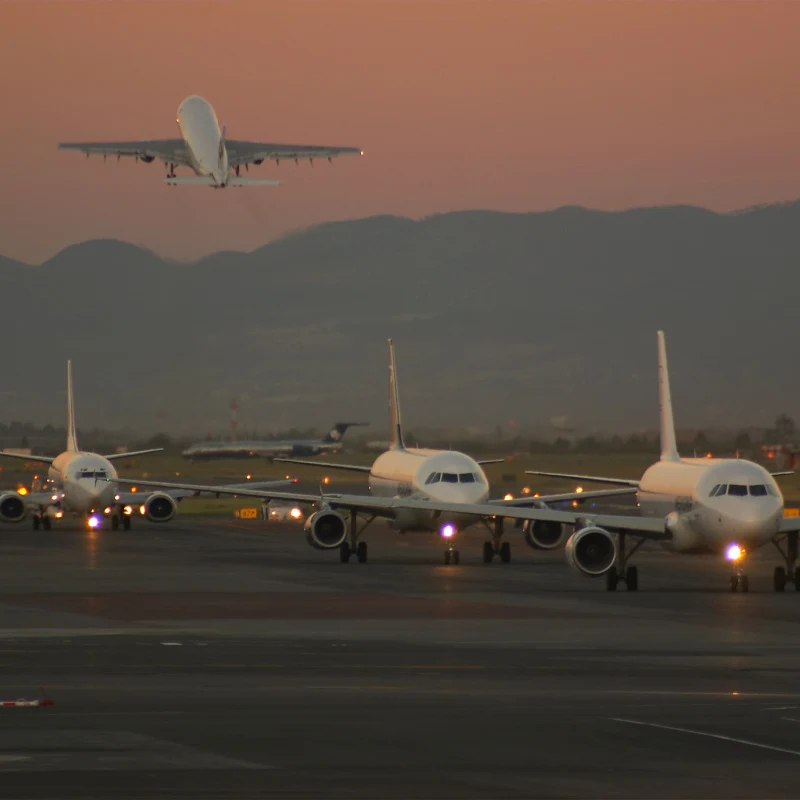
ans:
(669, 448)
(72, 437)
(394, 405)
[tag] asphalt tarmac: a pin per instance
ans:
(227, 659)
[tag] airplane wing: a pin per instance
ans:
(780, 474)
(241, 153)
(132, 453)
(491, 461)
(592, 478)
(325, 464)
(172, 150)
(545, 499)
(789, 524)
(38, 459)
(645, 527)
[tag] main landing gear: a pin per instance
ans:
(621, 571)
(497, 547)
(790, 573)
(120, 519)
(451, 555)
(41, 520)
(354, 546)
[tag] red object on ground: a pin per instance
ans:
(44, 700)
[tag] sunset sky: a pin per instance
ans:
(513, 106)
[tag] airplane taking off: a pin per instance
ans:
(82, 484)
(726, 506)
(330, 443)
(203, 147)
(416, 490)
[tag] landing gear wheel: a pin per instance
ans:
(361, 552)
(36, 523)
(505, 552)
(612, 579)
(446, 556)
(488, 552)
(126, 523)
(46, 524)
(779, 579)
(632, 579)
(114, 523)
(455, 557)
(344, 552)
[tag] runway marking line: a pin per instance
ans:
(718, 736)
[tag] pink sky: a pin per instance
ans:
(515, 106)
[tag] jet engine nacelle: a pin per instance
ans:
(147, 159)
(325, 530)
(12, 507)
(160, 507)
(591, 551)
(542, 535)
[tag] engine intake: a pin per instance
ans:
(326, 530)
(591, 551)
(542, 535)
(12, 507)
(160, 507)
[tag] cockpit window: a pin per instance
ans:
(449, 477)
(434, 477)
(758, 490)
(713, 491)
(87, 473)
(721, 490)
(466, 477)
(737, 490)
(771, 491)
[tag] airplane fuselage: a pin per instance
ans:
(80, 482)
(200, 130)
(429, 474)
(703, 518)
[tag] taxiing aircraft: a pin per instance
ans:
(203, 147)
(698, 505)
(330, 443)
(81, 483)
(416, 490)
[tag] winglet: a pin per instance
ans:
(394, 404)
(72, 437)
(669, 448)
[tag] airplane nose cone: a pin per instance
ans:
(753, 525)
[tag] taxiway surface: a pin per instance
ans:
(225, 658)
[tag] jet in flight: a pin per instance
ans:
(330, 443)
(81, 483)
(440, 491)
(215, 160)
(699, 505)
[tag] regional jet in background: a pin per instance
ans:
(442, 491)
(330, 443)
(203, 147)
(81, 483)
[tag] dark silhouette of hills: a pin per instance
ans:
(495, 317)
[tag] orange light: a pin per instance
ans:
(142, 510)
(508, 497)
(526, 490)
(133, 488)
(537, 494)
(127, 511)
(59, 514)
(578, 489)
(22, 490)
(326, 480)
(248, 477)
(770, 455)
(574, 503)
(296, 513)
(708, 455)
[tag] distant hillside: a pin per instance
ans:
(495, 317)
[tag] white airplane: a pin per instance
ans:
(81, 483)
(441, 491)
(699, 505)
(215, 160)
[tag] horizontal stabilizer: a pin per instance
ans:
(326, 465)
(117, 456)
(594, 478)
(253, 182)
(190, 180)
